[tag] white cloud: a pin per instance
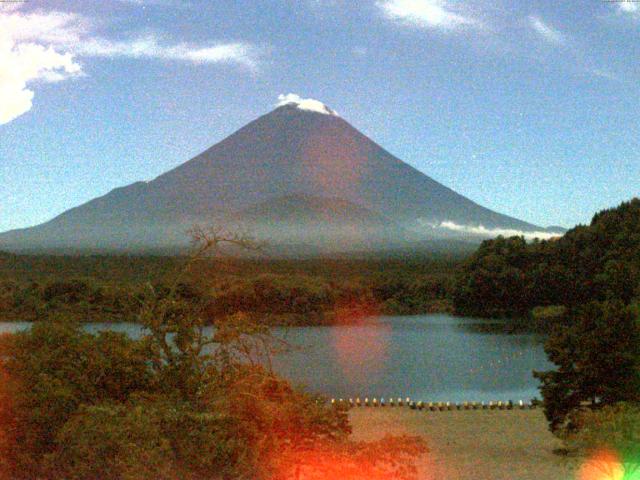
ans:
(308, 104)
(603, 73)
(546, 31)
(171, 3)
(628, 6)
(24, 63)
(434, 14)
(360, 51)
(46, 27)
(45, 45)
(149, 47)
(143, 4)
(482, 231)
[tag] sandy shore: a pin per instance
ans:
(478, 445)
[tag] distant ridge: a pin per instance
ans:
(294, 174)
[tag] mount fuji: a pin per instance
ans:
(299, 175)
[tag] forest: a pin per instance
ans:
(178, 403)
(278, 292)
(508, 277)
(531, 283)
(582, 289)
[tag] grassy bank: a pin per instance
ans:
(479, 445)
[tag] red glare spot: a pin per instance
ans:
(361, 349)
(603, 464)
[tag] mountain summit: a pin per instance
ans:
(308, 104)
(300, 174)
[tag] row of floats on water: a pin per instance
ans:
(434, 406)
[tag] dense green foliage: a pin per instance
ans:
(584, 290)
(111, 289)
(175, 404)
(599, 262)
(596, 348)
(53, 370)
(79, 406)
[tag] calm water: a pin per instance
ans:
(429, 357)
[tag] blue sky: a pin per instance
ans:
(529, 108)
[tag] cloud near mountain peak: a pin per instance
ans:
(308, 104)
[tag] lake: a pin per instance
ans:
(425, 357)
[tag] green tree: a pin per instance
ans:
(226, 373)
(597, 353)
(183, 402)
(48, 373)
(492, 282)
(110, 441)
(598, 262)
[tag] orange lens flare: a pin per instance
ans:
(6, 421)
(329, 151)
(362, 349)
(324, 466)
(327, 462)
(603, 464)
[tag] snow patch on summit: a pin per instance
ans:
(308, 104)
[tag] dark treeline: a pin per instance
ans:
(505, 277)
(599, 262)
(586, 287)
(312, 291)
(583, 290)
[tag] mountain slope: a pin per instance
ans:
(286, 153)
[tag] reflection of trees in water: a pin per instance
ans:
(503, 357)
(497, 327)
(465, 324)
